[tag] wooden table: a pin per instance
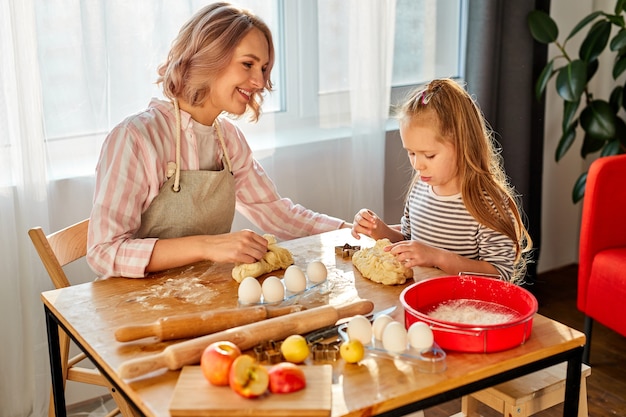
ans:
(90, 313)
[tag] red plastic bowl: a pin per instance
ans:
(420, 298)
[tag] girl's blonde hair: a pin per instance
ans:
(485, 188)
(204, 47)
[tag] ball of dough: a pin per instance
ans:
(380, 266)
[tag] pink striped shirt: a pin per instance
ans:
(133, 166)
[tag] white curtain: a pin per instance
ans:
(335, 176)
(371, 60)
(24, 369)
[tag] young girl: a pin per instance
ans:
(169, 177)
(460, 214)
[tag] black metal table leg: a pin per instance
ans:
(56, 368)
(572, 384)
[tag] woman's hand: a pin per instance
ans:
(244, 246)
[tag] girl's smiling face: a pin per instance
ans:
(433, 157)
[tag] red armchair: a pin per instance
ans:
(602, 248)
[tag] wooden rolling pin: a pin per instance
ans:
(246, 337)
(199, 324)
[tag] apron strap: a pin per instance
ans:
(176, 186)
(221, 138)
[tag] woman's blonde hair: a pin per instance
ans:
(485, 188)
(204, 47)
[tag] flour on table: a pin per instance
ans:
(192, 291)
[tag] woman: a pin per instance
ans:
(169, 178)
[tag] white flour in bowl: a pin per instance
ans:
(464, 311)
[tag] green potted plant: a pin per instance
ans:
(601, 120)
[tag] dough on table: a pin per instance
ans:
(380, 266)
(275, 258)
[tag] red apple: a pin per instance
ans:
(286, 377)
(216, 361)
(248, 377)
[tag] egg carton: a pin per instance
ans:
(430, 360)
(292, 297)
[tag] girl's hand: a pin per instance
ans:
(412, 253)
(366, 222)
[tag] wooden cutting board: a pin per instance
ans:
(195, 396)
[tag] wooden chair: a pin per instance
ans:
(57, 250)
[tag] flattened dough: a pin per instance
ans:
(275, 258)
(380, 266)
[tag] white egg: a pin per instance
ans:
(273, 290)
(249, 291)
(294, 278)
(420, 336)
(360, 328)
(395, 337)
(378, 327)
(316, 271)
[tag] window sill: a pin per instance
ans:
(82, 159)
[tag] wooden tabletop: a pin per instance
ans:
(93, 311)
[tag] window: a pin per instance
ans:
(98, 63)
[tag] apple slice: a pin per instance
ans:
(286, 377)
(216, 361)
(248, 377)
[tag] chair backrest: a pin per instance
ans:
(603, 225)
(60, 248)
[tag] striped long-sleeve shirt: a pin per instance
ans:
(445, 223)
(133, 166)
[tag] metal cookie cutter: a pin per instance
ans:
(326, 352)
(268, 352)
(346, 251)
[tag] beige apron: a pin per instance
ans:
(192, 202)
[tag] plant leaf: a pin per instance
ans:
(611, 148)
(592, 68)
(616, 98)
(571, 80)
(578, 192)
(569, 110)
(542, 27)
(618, 41)
(619, 67)
(623, 103)
(598, 120)
(583, 23)
(620, 136)
(543, 79)
(619, 6)
(591, 145)
(616, 20)
(595, 41)
(566, 141)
